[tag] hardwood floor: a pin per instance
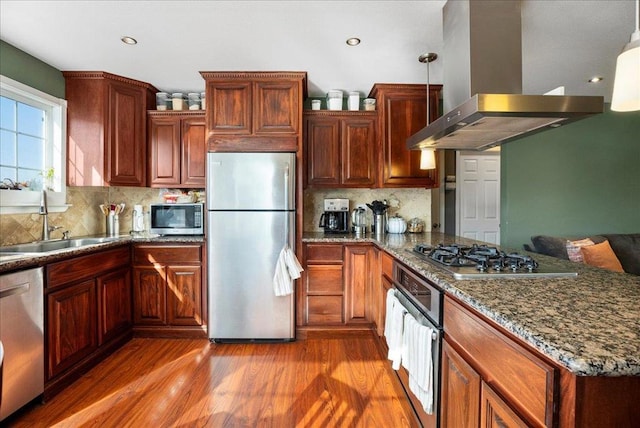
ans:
(316, 382)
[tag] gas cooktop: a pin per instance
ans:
(482, 261)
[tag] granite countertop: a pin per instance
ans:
(11, 262)
(589, 324)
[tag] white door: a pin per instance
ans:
(478, 196)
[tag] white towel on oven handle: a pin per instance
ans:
(417, 359)
(393, 328)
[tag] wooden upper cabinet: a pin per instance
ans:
(176, 149)
(106, 129)
(277, 105)
(402, 110)
(254, 111)
(193, 171)
(358, 160)
(322, 137)
(340, 149)
(229, 106)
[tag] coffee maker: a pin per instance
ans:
(335, 218)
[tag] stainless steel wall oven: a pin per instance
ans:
(423, 301)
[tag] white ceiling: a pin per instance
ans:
(564, 42)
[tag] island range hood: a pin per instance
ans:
(482, 84)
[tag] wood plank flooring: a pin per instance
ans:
(316, 382)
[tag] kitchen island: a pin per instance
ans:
(586, 327)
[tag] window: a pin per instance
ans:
(32, 149)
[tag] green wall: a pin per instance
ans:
(580, 179)
(24, 68)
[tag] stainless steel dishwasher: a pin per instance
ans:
(22, 336)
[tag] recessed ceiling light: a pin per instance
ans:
(596, 79)
(353, 41)
(128, 40)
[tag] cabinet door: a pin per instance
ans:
(494, 412)
(385, 285)
(323, 151)
(164, 151)
(114, 297)
(358, 155)
(149, 295)
(72, 326)
(125, 145)
(460, 391)
(193, 171)
(229, 107)
(403, 112)
(184, 299)
(358, 275)
(276, 107)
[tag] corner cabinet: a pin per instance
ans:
(254, 111)
(402, 111)
(337, 285)
(106, 129)
(176, 149)
(340, 149)
(168, 290)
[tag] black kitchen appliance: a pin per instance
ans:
(335, 218)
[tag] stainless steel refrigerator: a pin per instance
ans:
(251, 215)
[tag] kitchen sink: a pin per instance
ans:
(60, 244)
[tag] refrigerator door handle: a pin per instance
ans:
(286, 201)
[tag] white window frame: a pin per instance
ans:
(27, 201)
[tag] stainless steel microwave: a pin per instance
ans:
(177, 219)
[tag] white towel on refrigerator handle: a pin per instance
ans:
(288, 268)
(293, 265)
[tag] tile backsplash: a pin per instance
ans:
(407, 203)
(83, 216)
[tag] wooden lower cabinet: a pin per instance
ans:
(149, 295)
(168, 290)
(184, 300)
(71, 325)
(460, 390)
(114, 303)
(518, 385)
(359, 263)
(337, 284)
(494, 412)
(88, 313)
(385, 271)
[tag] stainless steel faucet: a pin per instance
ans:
(45, 213)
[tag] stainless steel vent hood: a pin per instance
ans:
(482, 85)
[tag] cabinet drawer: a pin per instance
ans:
(387, 264)
(525, 380)
(324, 279)
(324, 253)
(84, 267)
(151, 254)
(324, 310)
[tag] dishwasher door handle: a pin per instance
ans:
(13, 290)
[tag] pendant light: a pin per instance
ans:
(626, 86)
(427, 155)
